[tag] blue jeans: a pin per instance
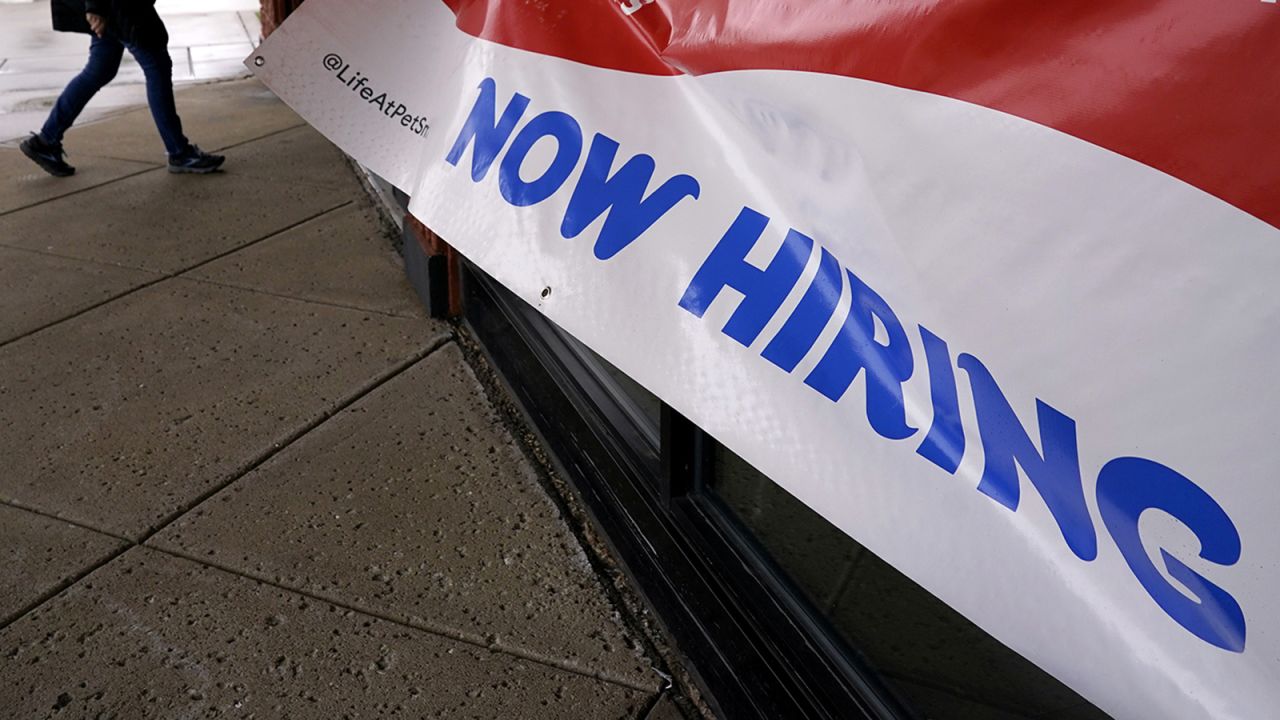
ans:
(104, 60)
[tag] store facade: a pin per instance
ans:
(940, 198)
(779, 613)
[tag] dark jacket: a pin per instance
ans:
(132, 21)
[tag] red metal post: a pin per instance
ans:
(433, 246)
(274, 12)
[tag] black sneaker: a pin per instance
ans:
(195, 160)
(47, 155)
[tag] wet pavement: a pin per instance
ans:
(245, 476)
(208, 40)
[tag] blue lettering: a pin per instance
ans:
(1126, 487)
(1055, 475)
(801, 330)
(621, 196)
(568, 136)
(1129, 486)
(489, 135)
(944, 444)
(887, 366)
(763, 290)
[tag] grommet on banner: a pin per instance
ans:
(546, 292)
(259, 61)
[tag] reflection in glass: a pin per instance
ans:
(939, 662)
(642, 407)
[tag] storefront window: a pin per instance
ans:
(908, 654)
(642, 407)
(939, 662)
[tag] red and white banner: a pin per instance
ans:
(989, 284)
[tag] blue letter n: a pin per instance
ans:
(490, 135)
(1055, 474)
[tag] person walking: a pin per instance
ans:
(116, 26)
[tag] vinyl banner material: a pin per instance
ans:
(991, 285)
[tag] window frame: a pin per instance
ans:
(749, 637)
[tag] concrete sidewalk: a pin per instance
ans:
(242, 475)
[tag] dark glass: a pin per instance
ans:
(642, 407)
(935, 659)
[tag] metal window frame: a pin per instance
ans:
(751, 640)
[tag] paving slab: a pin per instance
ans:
(665, 709)
(197, 28)
(129, 412)
(39, 554)
(24, 111)
(70, 63)
(300, 156)
(130, 71)
(342, 258)
(252, 26)
(28, 32)
(33, 34)
(213, 644)
(55, 79)
(167, 8)
(217, 69)
(416, 504)
(41, 289)
(166, 223)
(26, 184)
(236, 51)
(213, 116)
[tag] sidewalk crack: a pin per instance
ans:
(170, 276)
(59, 518)
(150, 167)
(283, 296)
(130, 543)
(437, 630)
(58, 589)
(254, 463)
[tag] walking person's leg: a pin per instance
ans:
(45, 147)
(157, 66)
(104, 60)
